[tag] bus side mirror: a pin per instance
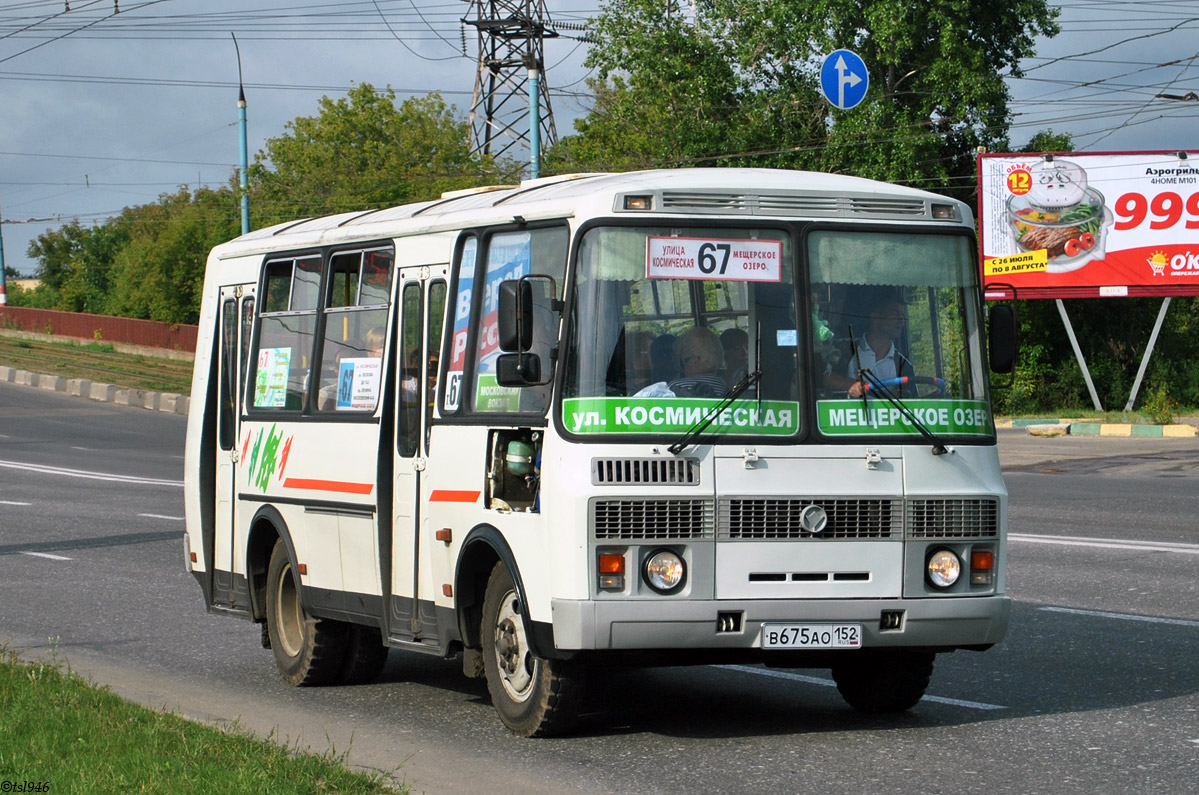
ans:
(1001, 338)
(515, 315)
(518, 369)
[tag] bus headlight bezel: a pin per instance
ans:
(943, 568)
(664, 571)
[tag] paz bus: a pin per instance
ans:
(591, 420)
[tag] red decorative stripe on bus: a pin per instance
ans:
(446, 495)
(328, 485)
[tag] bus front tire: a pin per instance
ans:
(534, 696)
(308, 651)
(883, 681)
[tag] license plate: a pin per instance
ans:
(811, 636)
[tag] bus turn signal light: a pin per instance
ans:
(611, 571)
(982, 567)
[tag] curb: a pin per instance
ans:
(166, 402)
(1108, 429)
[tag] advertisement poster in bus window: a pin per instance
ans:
(270, 382)
(1089, 225)
(509, 256)
(457, 367)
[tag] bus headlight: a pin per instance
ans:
(664, 571)
(944, 568)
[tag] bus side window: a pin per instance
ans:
(408, 430)
(287, 323)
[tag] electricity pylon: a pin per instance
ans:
(506, 117)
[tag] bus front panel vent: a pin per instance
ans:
(644, 471)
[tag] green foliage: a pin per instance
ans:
(361, 152)
(1160, 406)
(1113, 335)
(61, 731)
(738, 84)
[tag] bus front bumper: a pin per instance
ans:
(944, 623)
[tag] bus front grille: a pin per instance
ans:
(757, 519)
(633, 519)
(953, 518)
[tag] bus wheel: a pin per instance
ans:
(308, 651)
(883, 681)
(365, 655)
(534, 696)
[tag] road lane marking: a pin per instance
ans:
(161, 516)
(88, 475)
(46, 555)
(14, 502)
(1107, 543)
(1178, 622)
(816, 680)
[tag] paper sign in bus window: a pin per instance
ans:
(714, 259)
(358, 382)
(270, 383)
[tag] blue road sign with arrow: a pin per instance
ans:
(843, 79)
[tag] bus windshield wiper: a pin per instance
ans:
(702, 424)
(876, 385)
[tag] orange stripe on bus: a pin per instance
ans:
(446, 495)
(339, 486)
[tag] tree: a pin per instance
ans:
(74, 264)
(361, 152)
(159, 273)
(739, 84)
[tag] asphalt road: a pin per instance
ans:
(1096, 688)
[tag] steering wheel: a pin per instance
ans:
(916, 381)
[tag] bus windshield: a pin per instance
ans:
(898, 313)
(666, 321)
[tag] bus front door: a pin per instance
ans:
(420, 319)
(236, 318)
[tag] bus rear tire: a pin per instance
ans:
(308, 651)
(883, 681)
(534, 696)
(365, 655)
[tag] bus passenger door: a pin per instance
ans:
(421, 313)
(236, 318)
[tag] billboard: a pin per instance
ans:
(1078, 225)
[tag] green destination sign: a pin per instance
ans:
(677, 415)
(944, 417)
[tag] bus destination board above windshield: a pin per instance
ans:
(716, 258)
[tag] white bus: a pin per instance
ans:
(605, 418)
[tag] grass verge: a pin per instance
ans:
(61, 731)
(97, 362)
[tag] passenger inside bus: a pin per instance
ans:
(700, 359)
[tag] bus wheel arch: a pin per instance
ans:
(266, 528)
(483, 548)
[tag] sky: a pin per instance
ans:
(111, 103)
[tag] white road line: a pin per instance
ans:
(13, 502)
(1178, 622)
(46, 555)
(161, 516)
(83, 473)
(816, 680)
(85, 449)
(1107, 543)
